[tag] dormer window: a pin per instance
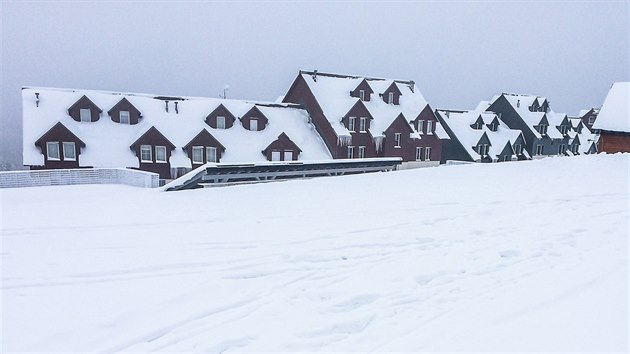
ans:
(351, 124)
(542, 129)
(124, 117)
(86, 114)
(483, 149)
(145, 154)
(363, 124)
(69, 151)
(397, 140)
(220, 122)
(253, 124)
(563, 129)
(52, 149)
(591, 119)
(362, 95)
(430, 127)
(390, 98)
(420, 126)
(518, 149)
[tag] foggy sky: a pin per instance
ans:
(457, 52)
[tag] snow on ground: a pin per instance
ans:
(522, 257)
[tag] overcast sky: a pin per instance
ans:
(457, 52)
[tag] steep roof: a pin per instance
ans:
(521, 104)
(332, 91)
(460, 123)
(107, 142)
(615, 112)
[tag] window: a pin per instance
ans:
(52, 150)
(145, 153)
(430, 127)
(506, 158)
(518, 149)
(561, 149)
(220, 122)
(539, 150)
(363, 124)
(390, 98)
(418, 154)
(397, 140)
(197, 154)
(563, 130)
(160, 154)
(124, 117)
(288, 155)
(362, 95)
(351, 124)
(211, 154)
(253, 124)
(591, 119)
(69, 153)
(86, 115)
(482, 149)
(574, 148)
(427, 154)
(350, 152)
(420, 126)
(361, 152)
(275, 155)
(542, 129)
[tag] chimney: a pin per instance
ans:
(315, 75)
(37, 99)
(411, 85)
(176, 110)
(166, 102)
(518, 103)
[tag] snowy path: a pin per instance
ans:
(522, 257)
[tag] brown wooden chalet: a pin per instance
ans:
(61, 148)
(204, 148)
(254, 120)
(220, 118)
(153, 151)
(282, 149)
(84, 110)
(124, 112)
(613, 120)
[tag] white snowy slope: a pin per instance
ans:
(533, 259)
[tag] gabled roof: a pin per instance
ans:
(283, 137)
(521, 103)
(124, 100)
(615, 112)
(109, 141)
(205, 135)
(156, 132)
(331, 92)
(460, 124)
(87, 100)
(55, 131)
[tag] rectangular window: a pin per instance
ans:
(427, 154)
(430, 127)
(563, 130)
(52, 150)
(86, 115)
(539, 149)
(69, 152)
(350, 152)
(124, 117)
(418, 154)
(390, 98)
(275, 155)
(518, 149)
(542, 129)
(211, 154)
(362, 95)
(160, 154)
(397, 140)
(574, 148)
(145, 153)
(483, 149)
(351, 124)
(591, 119)
(421, 126)
(363, 124)
(288, 155)
(220, 122)
(561, 149)
(197, 154)
(253, 124)
(506, 158)
(361, 152)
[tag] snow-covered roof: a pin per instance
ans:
(521, 104)
(615, 112)
(333, 95)
(108, 142)
(460, 123)
(586, 138)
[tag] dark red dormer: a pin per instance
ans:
(363, 91)
(358, 118)
(220, 118)
(153, 151)
(124, 112)
(61, 148)
(254, 120)
(204, 148)
(392, 94)
(84, 110)
(282, 149)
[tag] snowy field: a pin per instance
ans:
(510, 257)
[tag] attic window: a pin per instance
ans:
(145, 153)
(124, 117)
(197, 154)
(52, 150)
(563, 129)
(390, 98)
(420, 126)
(542, 129)
(482, 149)
(69, 152)
(86, 115)
(363, 124)
(351, 124)
(362, 95)
(574, 148)
(211, 154)
(397, 140)
(160, 154)
(591, 119)
(220, 122)
(430, 127)
(253, 124)
(518, 149)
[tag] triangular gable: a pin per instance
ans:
(255, 112)
(478, 124)
(507, 149)
(204, 138)
(400, 122)
(84, 102)
(221, 110)
(543, 120)
(358, 110)
(57, 130)
(283, 140)
(393, 88)
(484, 140)
(152, 133)
(123, 102)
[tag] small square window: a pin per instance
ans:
(86, 115)
(145, 153)
(124, 117)
(69, 152)
(220, 122)
(52, 151)
(160, 154)
(211, 154)
(197, 154)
